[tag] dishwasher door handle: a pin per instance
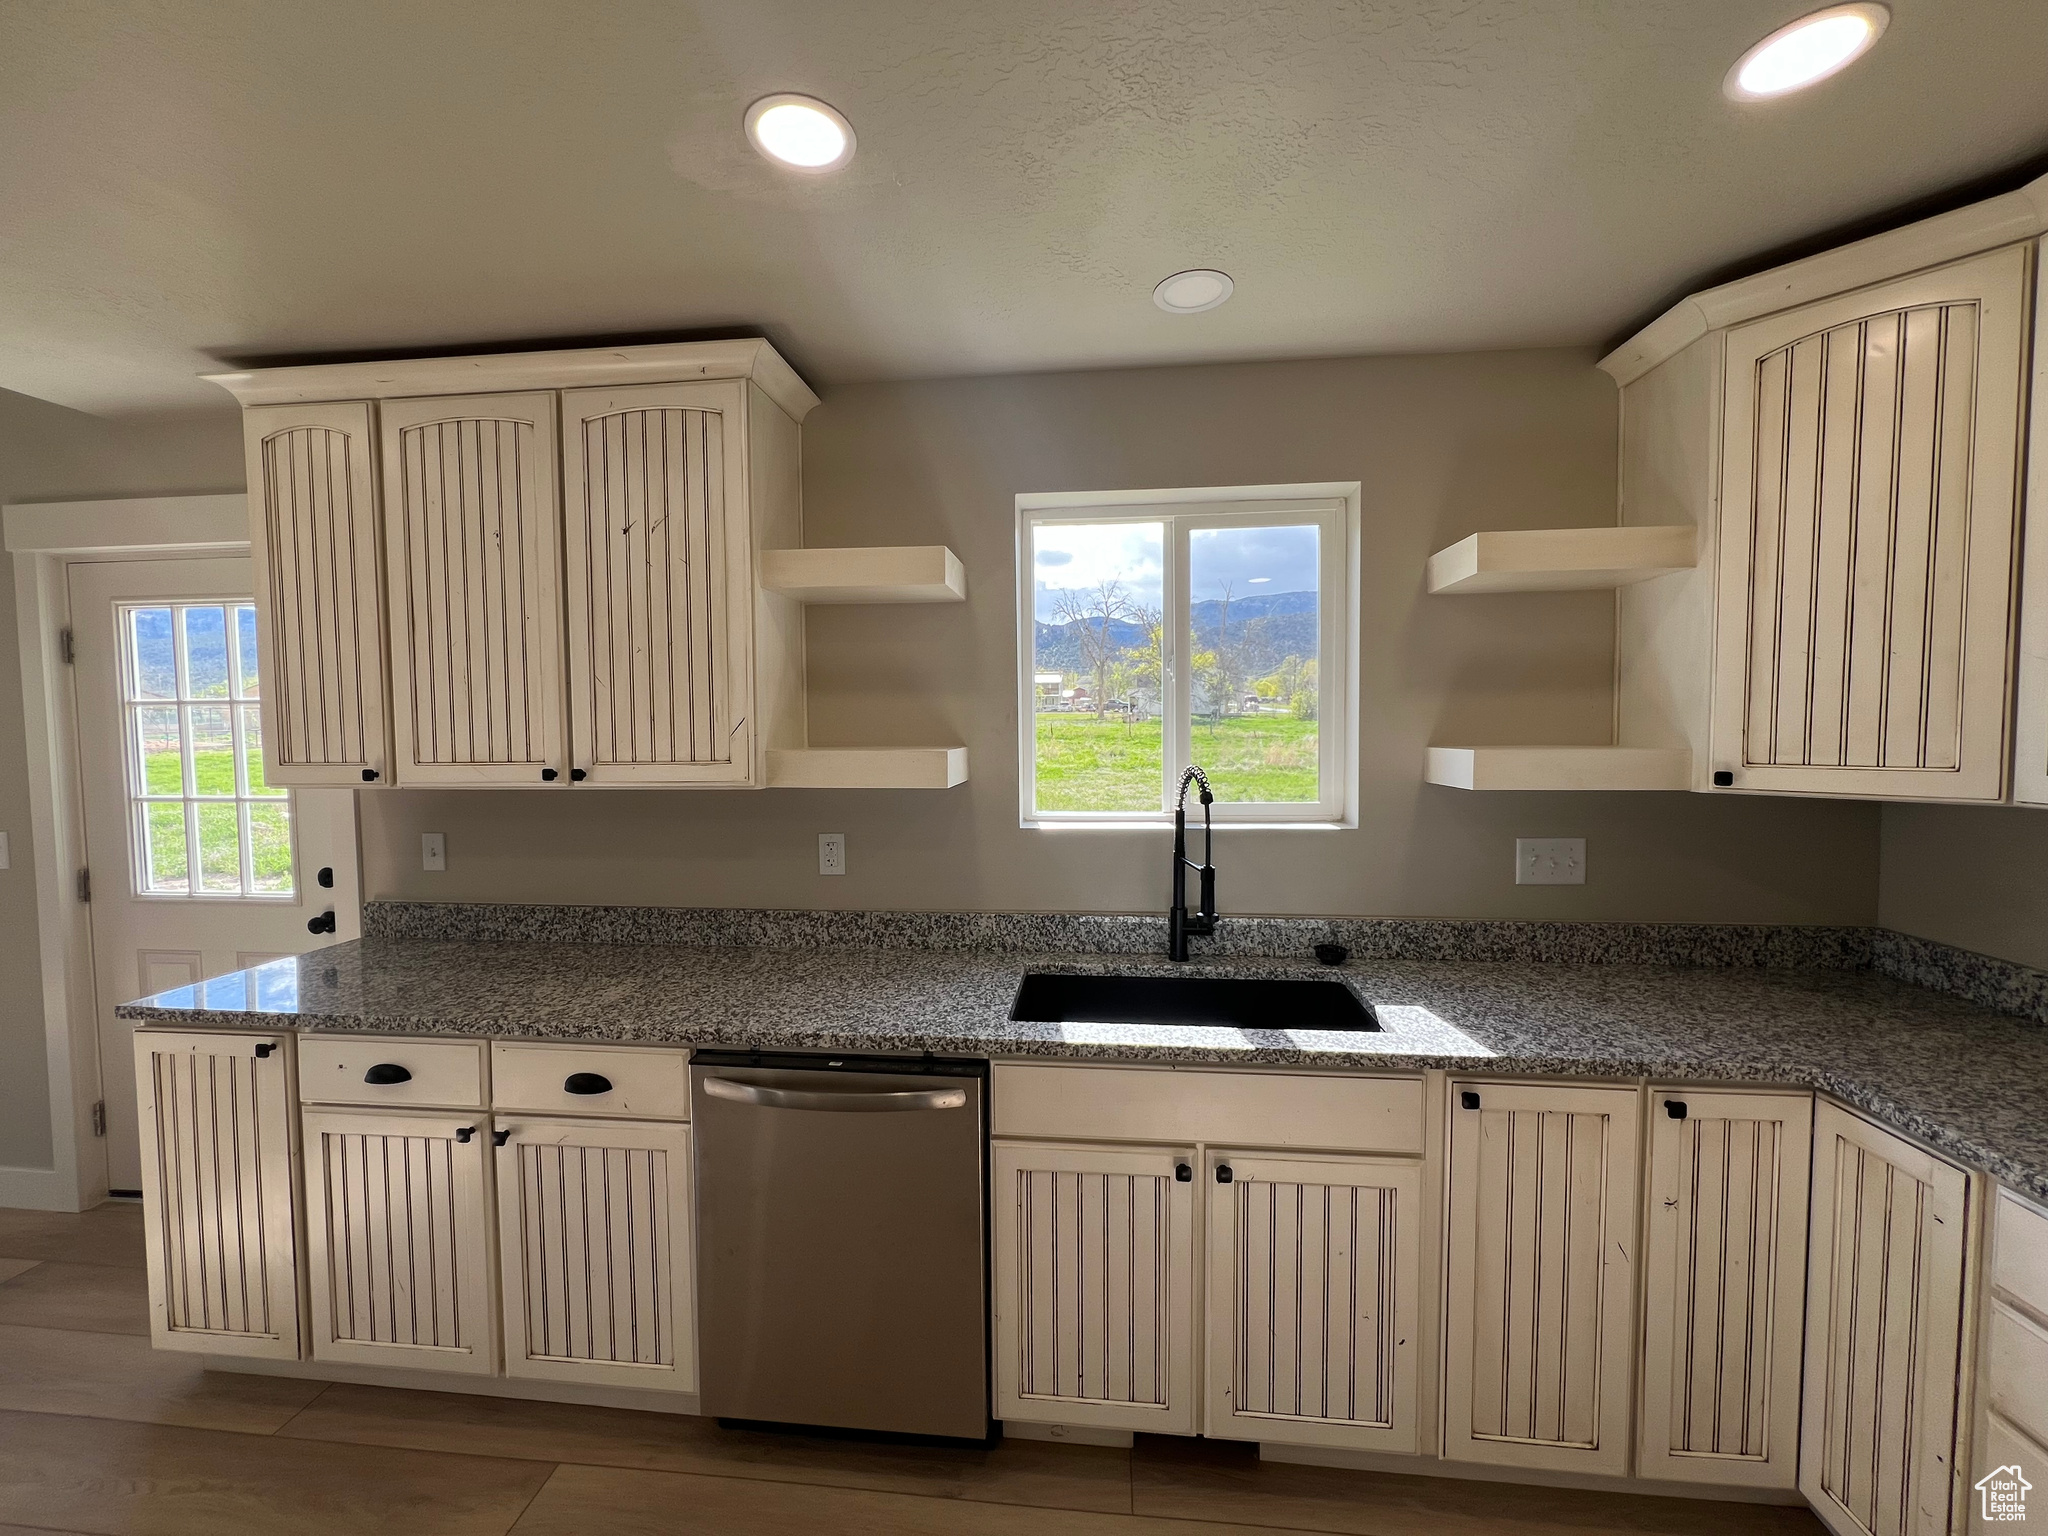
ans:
(846, 1103)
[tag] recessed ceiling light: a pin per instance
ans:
(1189, 293)
(1806, 52)
(800, 132)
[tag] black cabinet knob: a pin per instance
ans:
(577, 775)
(369, 775)
(387, 1073)
(1723, 779)
(465, 1134)
(499, 1138)
(325, 879)
(1183, 1174)
(1223, 1173)
(1675, 1108)
(547, 775)
(1468, 1099)
(263, 1051)
(324, 923)
(586, 1082)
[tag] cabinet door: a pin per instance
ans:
(217, 1182)
(313, 532)
(398, 1239)
(1541, 1277)
(472, 533)
(595, 1252)
(2030, 724)
(1884, 1309)
(1313, 1295)
(660, 580)
(1869, 492)
(1094, 1287)
(1725, 1288)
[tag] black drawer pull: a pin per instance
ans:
(547, 775)
(386, 1073)
(1183, 1174)
(369, 775)
(263, 1051)
(577, 775)
(586, 1082)
(1223, 1173)
(1468, 1099)
(1675, 1108)
(463, 1133)
(324, 923)
(499, 1138)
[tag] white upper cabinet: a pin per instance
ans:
(472, 533)
(660, 583)
(2030, 749)
(1869, 483)
(313, 532)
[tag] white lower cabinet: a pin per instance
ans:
(1884, 1313)
(595, 1252)
(399, 1238)
(1539, 1335)
(1724, 1287)
(1094, 1286)
(1313, 1304)
(218, 1174)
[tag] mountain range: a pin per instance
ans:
(1271, 626)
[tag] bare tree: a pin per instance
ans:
(1093, 614)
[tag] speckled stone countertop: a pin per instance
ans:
(1964, 1079)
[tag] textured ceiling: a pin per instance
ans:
(197, 180)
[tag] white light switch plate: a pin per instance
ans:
(1550, 861)
(433, 850)
(831, 853)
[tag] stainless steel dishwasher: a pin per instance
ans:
(842, 1241)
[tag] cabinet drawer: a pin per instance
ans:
(1244, 1109)
(645, 1081)
(2017, 1354)
(333, 1069)
(2019, 1252)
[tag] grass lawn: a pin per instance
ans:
(1114, 765)
(219, 827)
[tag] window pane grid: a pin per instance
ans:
(205, 823)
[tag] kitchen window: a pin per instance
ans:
(1165, 629)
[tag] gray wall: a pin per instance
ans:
(48, 453)
(1443, 445)
(1974, 876)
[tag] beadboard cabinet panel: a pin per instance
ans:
(218, 1174)
(319, 612)
(473, 539)
(399, 1243)
(1094, 1287)
(660, 584)
(1884, 1312)
(1313, 1300)
(1541, 1279)
(1725, 1287)
(595, 1253)
(1869, 501)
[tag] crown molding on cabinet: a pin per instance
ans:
(1562, 559)
(2018, 215)
(509, 372)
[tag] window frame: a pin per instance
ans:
(1334, 509)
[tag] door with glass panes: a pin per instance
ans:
(198, 866)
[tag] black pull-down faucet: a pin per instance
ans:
(1179, 926)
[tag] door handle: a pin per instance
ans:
(837, 1101)
(464, 1133)
(586, 1082)
(1224, 1173)
(499, 1138)
(386, 1073)
(324, 923)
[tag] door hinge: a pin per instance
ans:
(66, 648)
(99, 1118)
(85, 885)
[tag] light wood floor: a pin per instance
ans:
(100, 1435)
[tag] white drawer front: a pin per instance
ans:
(335, 1069)
(2017, 1356)
(1245, 1109)
(647, 1082)
(2019, 1247)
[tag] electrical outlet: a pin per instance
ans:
(433, 851)
(1550, 861)
(831, 853)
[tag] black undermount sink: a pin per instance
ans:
(1235, 1002)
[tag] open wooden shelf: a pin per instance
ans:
(1562, 559)
(909, 573)
(867, 768)
(1560, 767)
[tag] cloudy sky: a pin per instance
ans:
(1251, 560)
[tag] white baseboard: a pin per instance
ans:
(1066, 1434)
(644, 1400)
(37, 1189)
(1432, 1466)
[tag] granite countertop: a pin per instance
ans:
(1962, 1078)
